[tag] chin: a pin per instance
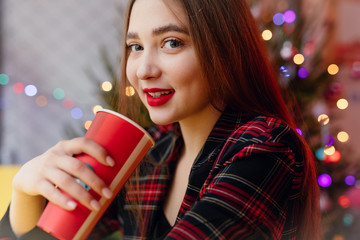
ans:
(161, 120)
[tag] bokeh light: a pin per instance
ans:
(328, 140)
(76, 113)
(41, 101)
(348, 220)
(4, 79)
(284, 71)
(129, 91)
(338, 237)
(106, 86)
(30, 90)
(18, 88)
(68, 103)
(289, 16)
(286, 51)
(342, 104)
(298, 59)
(96, 108)
(267, 35)
(324, 180)
(333, 69)
(303, 73)
(278, 19)
(289, 28)
(329, 150)
(323, 119)
(58, 93)
(333, 158)
(298, 130)
(343, 136)
(309, 49)
(320, 154)
(350, 180)
(87, 124)
(344, 201)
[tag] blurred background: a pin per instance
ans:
(59, 61)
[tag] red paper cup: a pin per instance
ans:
(127, 143)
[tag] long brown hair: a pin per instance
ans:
(240, 76)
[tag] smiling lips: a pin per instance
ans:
(157, 97)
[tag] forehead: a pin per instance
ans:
(152, 13)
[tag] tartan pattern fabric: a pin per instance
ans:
(244, 184)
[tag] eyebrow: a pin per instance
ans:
(160, 30)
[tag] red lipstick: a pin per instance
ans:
(158, 96)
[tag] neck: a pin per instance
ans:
(196, 130)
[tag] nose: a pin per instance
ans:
(148, 66)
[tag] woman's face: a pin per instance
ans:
(162, 65)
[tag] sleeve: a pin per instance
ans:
(6, 232)
(246, 199)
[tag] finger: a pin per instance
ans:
(55, 196)
(88, 146)
(72, 187)
(81, 171)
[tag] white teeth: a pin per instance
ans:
(159, 94)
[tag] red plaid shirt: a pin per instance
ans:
(244, 184)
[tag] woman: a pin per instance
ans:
(228, 163)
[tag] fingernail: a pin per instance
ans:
(95, 205)
(107, 192)
(110, 161)
(71, 205)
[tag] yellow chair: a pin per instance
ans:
(7, 173)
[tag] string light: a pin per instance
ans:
(324, 180)
(289, 16)
(329, 150)
(106, 86)
(344, 201)
(320, 154)
(350, 180)
(41, 101)
(68, 103)
(333, 158)
(30, 90)
(348, 220)
(342, 103)
(333, 69)
(323, 119)
(76, 113)
(267, 35)
(87, 124)
(278, 19)
(298, 130)
(299, 59)
(343, 136)
(4, 79)
(129, 91)
(328, 140)
(284, 71)
(58, 93)
(18, 88)
(338, 237)
(96, 108)
(303, 73)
